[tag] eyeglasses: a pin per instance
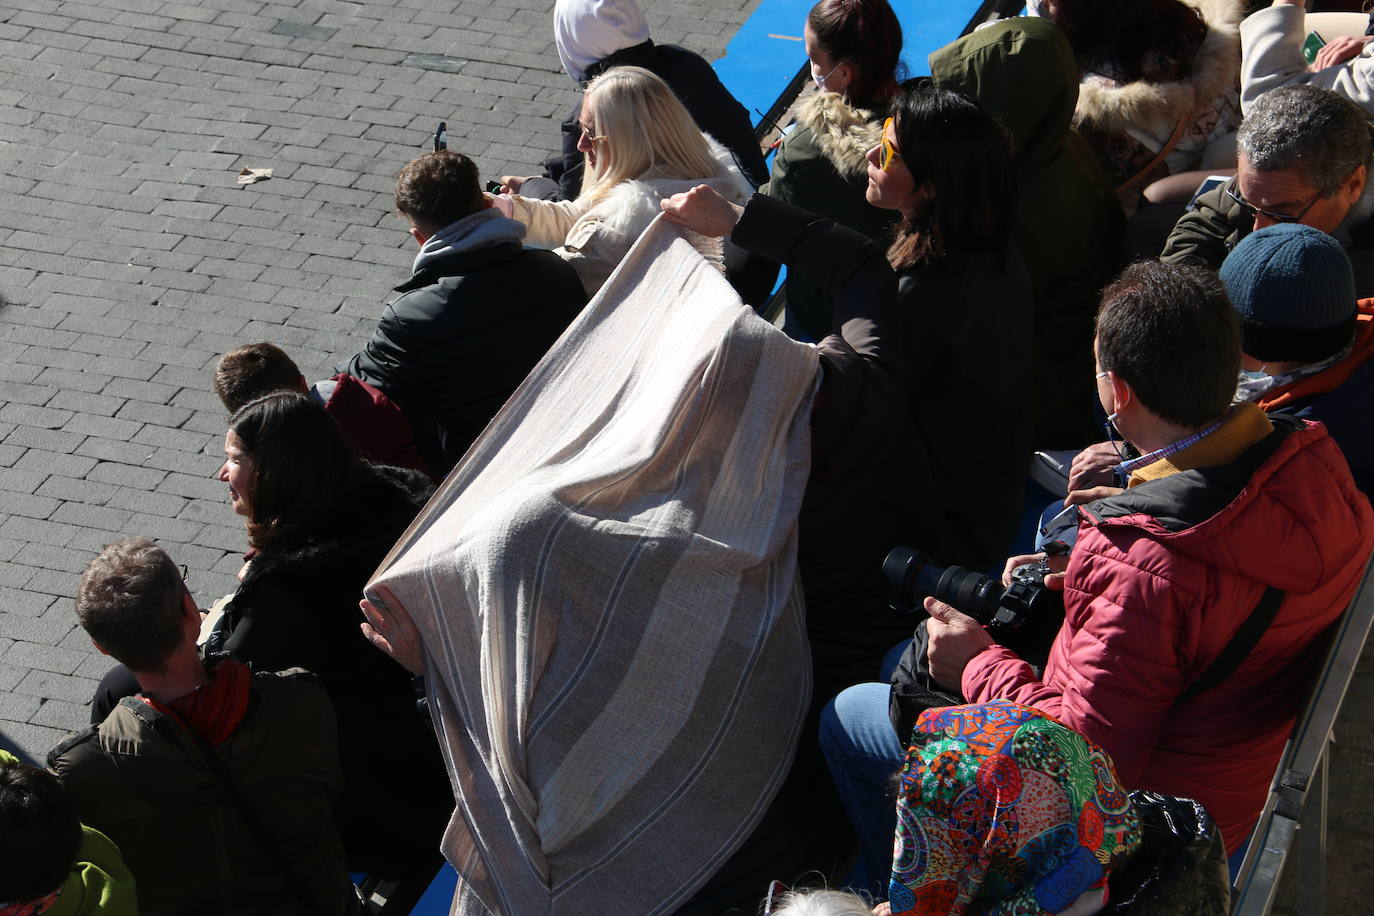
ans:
(1270, 214)
(588, 135)
(890, 152)
(776, 891)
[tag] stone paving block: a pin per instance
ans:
(63, 715)
(94, 665)
(53, 440)
(106, 518)
(68, 380)
(18, 706)
(14, 575)
(18, 504)
(47, 685)
(30, 604)
(142, 501)
(69, 488)
(43, 462)
(100, 405)
(44, 658)
(30, 743)
(63, 585)
(107, 427)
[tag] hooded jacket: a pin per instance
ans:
(298, 607)
(477, 313)
(595, 236)
(1128, 123)
(1068, 221)
(821, 166)
(141, 779)
(592, 36)
(99, 882)
(1160, 579)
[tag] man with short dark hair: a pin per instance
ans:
(478, 312)
(371, 423)
(1223, 507)
(1304, 156)
(217, 783)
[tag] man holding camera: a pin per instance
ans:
(1196, 599)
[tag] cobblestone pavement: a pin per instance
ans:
(130, 258)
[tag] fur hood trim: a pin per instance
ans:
(629, 207)
(843, 133)
(1157, 107)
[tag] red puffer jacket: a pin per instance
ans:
(1160, 579)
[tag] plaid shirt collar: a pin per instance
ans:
(1127, 468)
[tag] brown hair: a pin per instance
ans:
(130, 602)
(1170, 332)
(252, 370)
(300, 463)
(438, 188)
(866, 35)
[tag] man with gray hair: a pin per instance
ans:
(1304, 155)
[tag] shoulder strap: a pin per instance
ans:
(1160, 156)
(1239, 647)
(266, 842)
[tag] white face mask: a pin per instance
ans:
(1037, 8)
(820, 80)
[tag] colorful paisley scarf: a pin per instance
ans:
(1005, 811)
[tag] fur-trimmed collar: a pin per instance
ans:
(1157, 107)
(630, 206)
(843, 133)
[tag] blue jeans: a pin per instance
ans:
(863, 753)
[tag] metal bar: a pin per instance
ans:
(1312, 844)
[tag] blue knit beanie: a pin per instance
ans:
(1294, 291)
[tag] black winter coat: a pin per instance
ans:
(701, 92)
(919, 430)
(461, 338)
(298, 607)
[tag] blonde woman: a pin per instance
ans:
(640, 145)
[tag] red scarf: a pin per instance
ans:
(32, 907)
(213, 710)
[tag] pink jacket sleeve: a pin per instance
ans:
(1114, 671)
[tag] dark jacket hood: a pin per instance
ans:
(1285, 514)
(1021, 69)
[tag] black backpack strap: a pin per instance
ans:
(1239, 647)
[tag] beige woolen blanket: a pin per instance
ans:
(607, 592)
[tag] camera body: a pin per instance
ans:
(1024, 612)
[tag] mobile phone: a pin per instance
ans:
(441, 136)
(1311, 46)
(494, 187)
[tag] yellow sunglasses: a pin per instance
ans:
(890, 152)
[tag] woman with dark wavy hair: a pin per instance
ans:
(320, 520)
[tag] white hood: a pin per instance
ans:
(587, 31)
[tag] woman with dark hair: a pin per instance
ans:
(946, 319)
(854, 48)
(1160, 81)
(964, 298)
(319, 521)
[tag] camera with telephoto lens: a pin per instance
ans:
(1024, 616)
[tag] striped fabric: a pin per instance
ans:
(606, 589)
